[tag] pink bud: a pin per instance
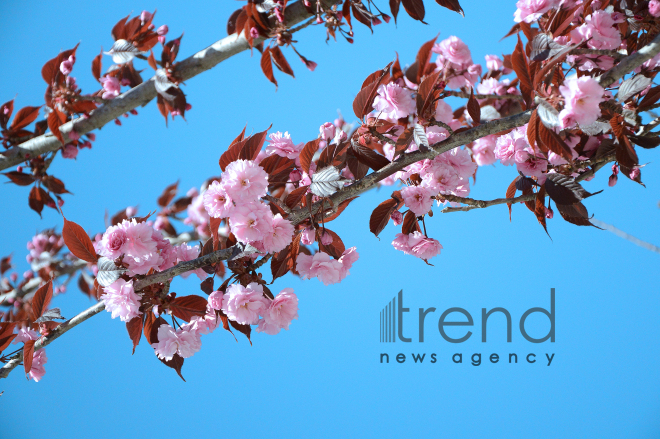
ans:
(549, 213)
(386, 17)
(66, 67)
(159, 224)
(125, 114)
(295, 176)
(278, 14)
(307, 3)
(161, 39)
(6, 110)
(51, 204)
(125, 82)
(19, 169)
(188, 107)
(350, 40)
(28, 275)
(117, 122)
(69, 151)
(397, 217)
(91, 136)
(192, 192)
(613, 179)
(376, 21)
(60, 202)
(319, 20)
(311, 65)
(86, 144)
(326, 238)
(134, 112)
(163, 30)
(308, 236)
(29, 258)
(151, 26)
(145, 16)
(13, 277)
(254, 32)
(131, 211)
(74, 135)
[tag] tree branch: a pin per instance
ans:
(630, 63)
(145, 92)
(462, 94)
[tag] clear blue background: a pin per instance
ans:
(322, 378)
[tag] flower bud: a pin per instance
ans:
(613, 179)
(163, 30)
(397, 217)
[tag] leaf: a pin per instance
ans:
(381, 216)
(420, 137)
(28, 355)
(414, 8)
(410, 223)
(452, 5)
(168, 194)
(563, 189)
(123, 51)
(361, 14)
(108, 272)
(473, 108)
(520, 66)
(55, 120)
(370, 157)
(267, 66)
(38, 198)
(175, 363)
(643, 141)
(97, 66)
(650, 98)
(423, 54)
(339, 210)
(50, 315)
(326, 181)
(207, 285)
(363, 102)
(357, 168)
(243, 329)
(307, 154)
(78, 242)
(336, 248)
(5, 113)
(295, 196)
(539, 209)
(632, 86)
(553, 142)
(285, 260)
(547, 113)
(575, 214)
(20, 178)
(404, 140)
(394, 8)
(134, 328)
(252, 146)
(280, 61)
(41, 300)
(5, 340)
(544, 47)
(186, 307)
(510, 193)
(53, 184)
(24, 117)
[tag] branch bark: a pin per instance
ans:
(145, 92)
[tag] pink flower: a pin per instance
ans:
(163, 30)
(531, 10)
(111, 86)
(347, 260)
(443, 112)
(530, 164)
(170, 342)
(281, 235)
(308, 236)
(185, 252)
(455, 51)
(440, 177)
(140, 248)
(494, 63)
(417, 245)
(204, 324)
(69, 151)
(120, 299)
(38, 370)
(113, 241)
(279, 314)
(601, 31)
(244, 305)
(507, 145)
(417, 199)
(251, 222)
(66, 66)
(217, 202)
(25, 334)
(394, 101)
(216, 299)
(282, 145)
(327, 131)
(581, 99)
(483, 150)
(397, 217)
(654, 8)
(325, 267)
(245, 181)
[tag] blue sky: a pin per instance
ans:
(322, 378)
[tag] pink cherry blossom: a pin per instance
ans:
(66, 66)
(140, 249)
(217, 202)
(69, 151)
(531, 10)
(417, 244)
(397, 217)
(308, 236)
(321, 265)
(245, 181)
(38, 370)
(443, 112)
(279, 314)
(441, 178)
(417, 199)
(113, 241)
(282, 145)
(494, 63)
(654, 8)
(120, 299)
(581, 99)
(347, 260)
(185, 252)
(163, 30)
(25, 334)
(600, 30)
(280, 237)
(216, 299)
(171, 342)
(244, 305)
(111, 87)
(251, 222)
(507, 145)
(327, 131)
(393, 101)
(530, 163)
(456, 51)
(483, 150)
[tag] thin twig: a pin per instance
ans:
(462, 94)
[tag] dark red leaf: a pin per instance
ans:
(243, 329)
(19, 178)
(370, 157)
(28, 355)
(24, 117)
(473, 108)
(41, 300)
(381, 216)
(168, 194)
(186, 307)
(5, 113)
(78, 242)
(520, 66)
(97, 65)
(175, 363)
(280, 61)
(134, 328)
(267, 66)
(293, 199)
(307, 154)
(410, 224)
(452, 5)
(55, 120)
(510, 193)
(335, 248)
(415, 8)
(423, 55)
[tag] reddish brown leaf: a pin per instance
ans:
(410, 224)
(510, 193)
(294, 198)
(539, 209)
(78, 242)
(36, 199)
(280, 61)
(19, 178)
(24, 117)
(425, 93)
(333, 155)
(575, 214)
(6, 340)
(553, 142)
(381, 216)
(243, 329)
(214, 224)
(5, 113)
(307, 154)
(415, 8)
(207, 285)
(134, 328)
(186, 307)
(424, 54)
(267, 66)
(41, 300)
(370, 157)
(97, 66)
(404, 140)
(151, 324)
(532, 128)
(253, 145)
(168, 194)
(394, 8)
(284, 261)
(452, 5)
(55, 120)
(55, 185)
(520, 66)
(335, 248)
(363, 102)
(175, 363)
(28, 355)
(474, 109)
(84, 286)
(339, 210)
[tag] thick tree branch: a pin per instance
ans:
(630, 63)
(145, 92)
(462, 94)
